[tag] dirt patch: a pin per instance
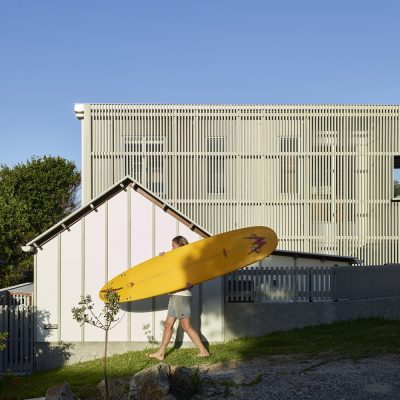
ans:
(298, 377)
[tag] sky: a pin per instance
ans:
(54, 54)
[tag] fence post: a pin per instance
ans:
(310, 296)
(334, 295)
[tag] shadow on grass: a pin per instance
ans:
(353, 339)
(83, 377)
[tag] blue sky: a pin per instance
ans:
(57, 53)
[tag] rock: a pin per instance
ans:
(117, 388)
(151, 384)
(185, 382)
(60, 392)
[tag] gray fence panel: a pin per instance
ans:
(16, 318)
(314, 283)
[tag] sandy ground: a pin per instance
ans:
(287, 378)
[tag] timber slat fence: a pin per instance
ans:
(284, 284)
(16, 318)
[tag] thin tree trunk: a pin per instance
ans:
(105, 364)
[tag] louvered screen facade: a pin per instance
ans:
(321, 176)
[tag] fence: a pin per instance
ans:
(16, 318)
(283, 284)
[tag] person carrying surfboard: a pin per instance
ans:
(179, 307)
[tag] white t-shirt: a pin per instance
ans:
(185, 292)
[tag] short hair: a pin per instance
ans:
(180, 241)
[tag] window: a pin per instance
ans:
(133, 156)
(396, 177)
(144, 160)
(154, 174)
(289, 165)
(215, 164)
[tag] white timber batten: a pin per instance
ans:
(320, 175)
(120, 228)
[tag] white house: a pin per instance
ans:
(122, 227)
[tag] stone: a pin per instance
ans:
(117, 388)
(60, 392)
(185, 382)
(152, 383)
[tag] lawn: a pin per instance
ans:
(354, 339)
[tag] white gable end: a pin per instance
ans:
(122, 231)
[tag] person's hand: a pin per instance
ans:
(162, 253)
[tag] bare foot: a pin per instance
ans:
(203, 354)
(157, 356)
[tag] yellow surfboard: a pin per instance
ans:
(194, 263)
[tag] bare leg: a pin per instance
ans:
(194, 337)
(167, 334)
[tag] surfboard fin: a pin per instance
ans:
(110, 290)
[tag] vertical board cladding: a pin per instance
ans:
(96, 263)
(322, 173)
(70, 286)
(117, 243)
(141, 314)
(212, 310)
(47, 295)
(101, 244)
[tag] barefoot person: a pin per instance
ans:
(179, 307)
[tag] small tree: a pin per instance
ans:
(106, 320)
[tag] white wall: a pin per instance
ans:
(142, 249)
(70, 287)
(117, 254)
(46, 299)
(124, 231)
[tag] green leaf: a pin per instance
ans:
(33, 197)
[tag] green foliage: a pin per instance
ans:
(33, 197)
(396, 188)
(106, 320)
(9, 383)
(351, 339)
(3, 338)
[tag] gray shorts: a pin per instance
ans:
(179, 307)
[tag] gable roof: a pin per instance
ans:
(128, 181)
(26, 287)
(102, 198)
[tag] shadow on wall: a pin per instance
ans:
(49, 355)
(145, 306)
(190, 276)
(26, 343)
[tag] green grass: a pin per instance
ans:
(354, 339)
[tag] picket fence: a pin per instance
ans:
(285, 284)
(16, 319)
(253, 284)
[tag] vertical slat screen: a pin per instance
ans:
(320, 175)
